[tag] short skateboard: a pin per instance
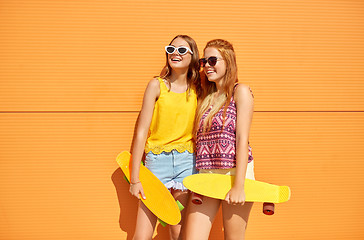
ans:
(218, 185)
(158, 199)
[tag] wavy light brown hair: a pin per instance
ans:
(193, 75)
(226, 50)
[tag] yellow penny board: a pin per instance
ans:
(218, 185)
(158, 199)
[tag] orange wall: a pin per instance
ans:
(72, 75)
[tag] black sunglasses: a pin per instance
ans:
(211, 60)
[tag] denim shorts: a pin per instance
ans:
(171, 167)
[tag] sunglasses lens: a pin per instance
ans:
(182, 50)
(203, 62)
(212, 61)
(170, 49)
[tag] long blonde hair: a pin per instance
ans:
(226, 50)
(193, 75)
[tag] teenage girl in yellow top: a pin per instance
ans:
(165, 130)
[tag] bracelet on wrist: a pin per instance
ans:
(131, 183)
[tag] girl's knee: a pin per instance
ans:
(175, 232)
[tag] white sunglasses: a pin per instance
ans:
(181, 50)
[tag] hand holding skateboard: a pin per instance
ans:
(136, 189)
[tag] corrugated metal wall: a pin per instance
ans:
(72, 75)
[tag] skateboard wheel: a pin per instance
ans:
(126, 179)
(197, 198)
(268, 208)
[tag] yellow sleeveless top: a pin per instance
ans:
(172, 121)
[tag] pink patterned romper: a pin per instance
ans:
(216, 148)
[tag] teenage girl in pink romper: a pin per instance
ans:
(223, 120)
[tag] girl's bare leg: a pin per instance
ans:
(175, 231)
(235, 219)
(200, 218)
(145, 225)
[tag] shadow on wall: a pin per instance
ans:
(129, 207)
